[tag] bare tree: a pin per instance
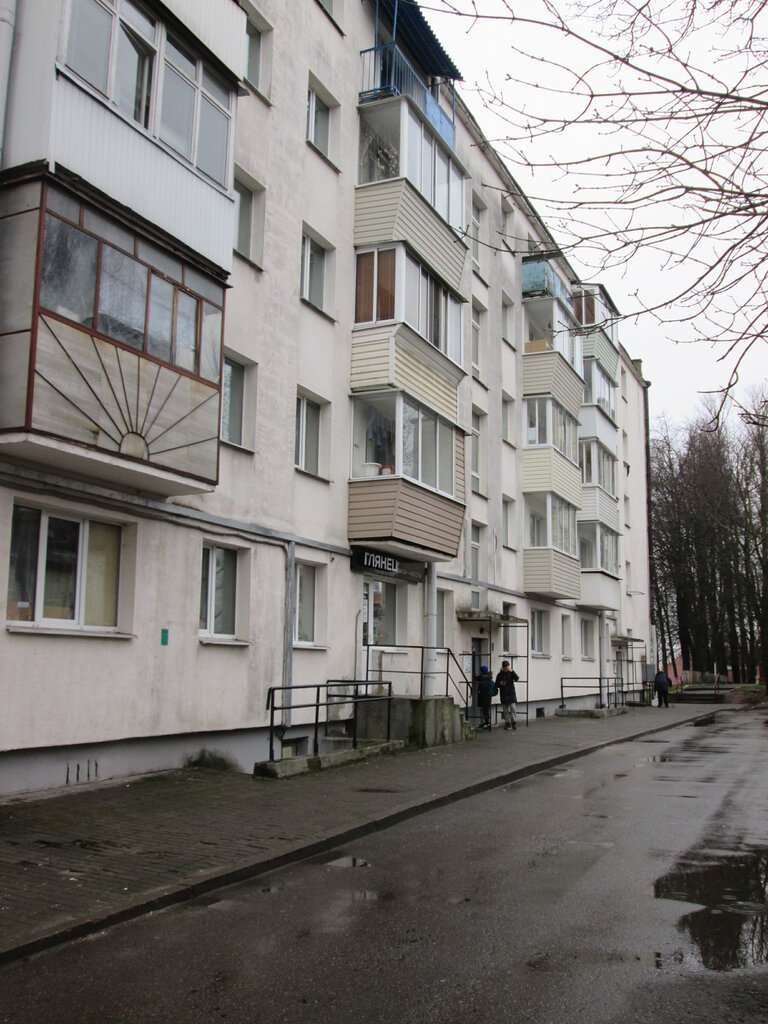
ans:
(656, 112)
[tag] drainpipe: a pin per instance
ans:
(603, 654)
(430, 632)
(290, 615)
(7, 25)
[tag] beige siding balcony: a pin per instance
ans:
(551, 573)
(397, 512)
(599, 506)
(397, 357)
(547, 469)
(546, 372)
(394, 211)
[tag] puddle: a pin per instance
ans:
(334, 859)
(730, 931)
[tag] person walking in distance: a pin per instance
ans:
(662, 685)
(505, 680)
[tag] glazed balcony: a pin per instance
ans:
(387, 72)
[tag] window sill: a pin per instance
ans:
(509, 547)
(479, 380)
(541, 655)
(313, 476)
(317, 309)
(33, 630)
(233, 447)
(250, 88)
(330, 17)
(477, 271)
(588, 657)
(480, 494)
(247, 259)
(567, 657)
(510, 444)
(222, 641)
(299, 645)
(324, 156)
(510, 344)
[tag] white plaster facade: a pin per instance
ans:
(162, 678)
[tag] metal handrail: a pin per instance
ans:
(445, 651)
(583, 683)
(333, 699)
(387, 72)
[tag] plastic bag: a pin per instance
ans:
(655, 702)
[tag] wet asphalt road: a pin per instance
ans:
(630, 886)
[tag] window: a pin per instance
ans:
(565, 432)
(477, 317)
(420, 446)
(307, 449)
(563, 525)
(130, 57)
(508, 224)
(626, 510)
(375, 286)
(507, 316)
(318, 122)
(507, 419)
(606, 470)
(539, 631)
(64, 570)
(218, 589)
(249, 219)
(475, 233)
(313, 271)
(475, 550)
(379, 152)
(587, 638)
(565, 629)
(304, 623)
(599, 389)
(508, 523)
(379, 613)
(432, 310)
(474, 600)
(599, 548)
(232, 402)
(628, 576)
(478, 423)
(153, 304)
(509, 632)
(536, 420)
(584, 307)
(536, 520)
(432, 171)
(253, 55)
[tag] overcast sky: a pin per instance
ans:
(678, 372)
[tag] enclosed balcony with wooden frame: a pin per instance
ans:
(110, 348)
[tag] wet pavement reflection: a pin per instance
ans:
(730, 931)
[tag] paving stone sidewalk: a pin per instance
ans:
(80, 860)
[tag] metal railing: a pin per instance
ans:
(609, 690)
(387, 72)
(451, 672)
(332, 700)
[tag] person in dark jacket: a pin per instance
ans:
(662, 685)
(484, 685)
(505, 680)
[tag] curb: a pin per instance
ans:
(246, 872)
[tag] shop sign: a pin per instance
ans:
(379, 563)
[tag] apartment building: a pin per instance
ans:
(295, 387)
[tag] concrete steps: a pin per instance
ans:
(291, 766)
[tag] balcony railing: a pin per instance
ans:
(386, 72)
(540, 279)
